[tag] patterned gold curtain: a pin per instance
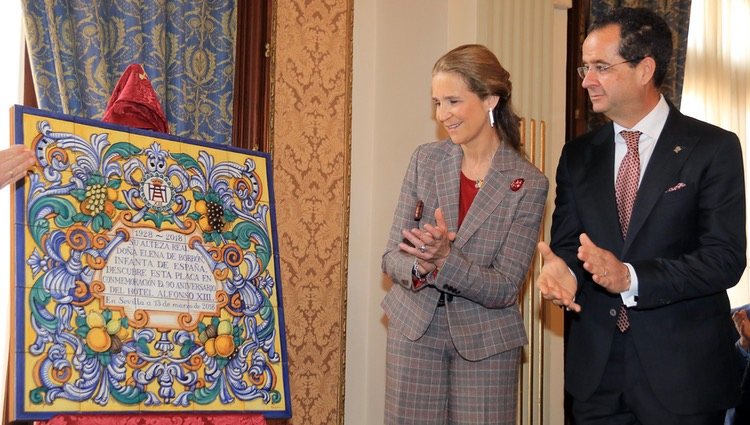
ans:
(78, 49)
(677, 15)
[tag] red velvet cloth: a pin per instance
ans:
(158, 419)
(134, 103)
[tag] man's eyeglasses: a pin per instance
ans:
(601, 69)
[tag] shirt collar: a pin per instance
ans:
(652, 124)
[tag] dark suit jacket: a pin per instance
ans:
(489, 258)
(686, 242)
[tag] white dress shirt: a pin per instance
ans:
(650, 127)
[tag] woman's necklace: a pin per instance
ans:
(479, 182)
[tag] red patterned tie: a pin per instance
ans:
(626, 188)
(623, 323)
(626, 185)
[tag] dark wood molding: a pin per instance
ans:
(577, 107)
(29, 93)
(252, 77)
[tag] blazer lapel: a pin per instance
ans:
(670, 153)
(447, 184)
(598, 186)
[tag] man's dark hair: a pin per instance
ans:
(642, 33)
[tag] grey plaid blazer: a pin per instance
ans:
(489, 259)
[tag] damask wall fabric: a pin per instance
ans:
(78, 50)
(677, 15)
(311, 141)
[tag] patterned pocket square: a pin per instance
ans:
(676, 187)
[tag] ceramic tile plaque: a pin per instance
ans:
(146, 275)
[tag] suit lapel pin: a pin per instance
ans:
(677, 149)
(517, 184)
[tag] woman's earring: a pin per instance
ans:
(492, 118)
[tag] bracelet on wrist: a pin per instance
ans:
(415, 270)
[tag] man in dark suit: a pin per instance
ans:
(648, 233)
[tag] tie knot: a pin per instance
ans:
(631, 138)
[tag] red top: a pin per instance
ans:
(466, 195)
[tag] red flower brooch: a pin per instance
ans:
(517, 184)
